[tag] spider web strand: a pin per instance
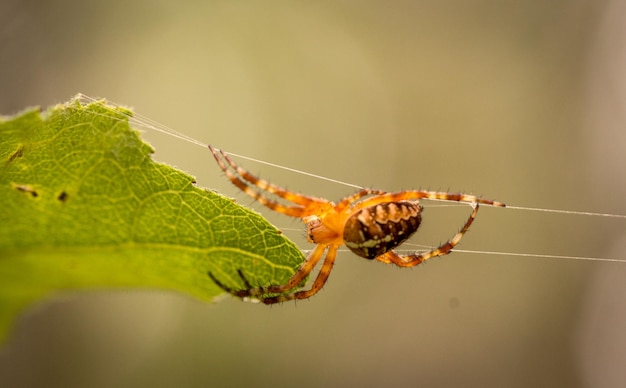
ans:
(541, 256)
(571, 212)
(148, 123)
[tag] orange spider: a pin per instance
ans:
(371, 223)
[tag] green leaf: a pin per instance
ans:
(84, 207)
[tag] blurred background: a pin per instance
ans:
(522, 102)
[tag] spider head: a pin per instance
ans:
(320, 231)
(313, 224)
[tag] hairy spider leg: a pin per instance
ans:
(321, 278)
(392, 257)
(347, 202)
(305, 269)
(260, 183)
(259, 293)
(420, 194)
(317, 285)
(245, 181)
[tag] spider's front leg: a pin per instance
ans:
(443, 249)
(296, 205)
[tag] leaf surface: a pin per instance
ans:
(84, 207)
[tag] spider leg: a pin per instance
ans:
(348, 201)
(444, 249)
(305, 269)
(319, 282)
(419, 194)
(230, 290)
(254, 186)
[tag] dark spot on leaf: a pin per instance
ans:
(27, 190)
(63, 196)
(16, 154)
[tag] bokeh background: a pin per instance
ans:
(522, 102)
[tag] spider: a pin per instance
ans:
(371, 223)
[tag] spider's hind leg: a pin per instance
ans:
(443, 249)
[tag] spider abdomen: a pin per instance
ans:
(374, 230)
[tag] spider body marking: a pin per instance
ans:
(371, 223)
(375, 230)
